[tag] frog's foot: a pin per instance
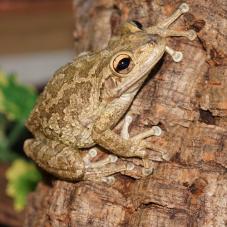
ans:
(102, 171)
(140, 143)
(154, 131)
(137, 171)
(190, 34)
(162, 30)
(183, 8)
(125, 127)
(177, 56)
(109, 180)
(131, 170)
(92, 153)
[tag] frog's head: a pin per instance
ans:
(137, 49)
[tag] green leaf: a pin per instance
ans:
(16, 100)
(22, 177)
(7, 155)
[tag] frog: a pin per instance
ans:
(86, 98)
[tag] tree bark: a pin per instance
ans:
(188, 100)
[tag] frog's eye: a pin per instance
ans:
(122, 64)
(137, 24)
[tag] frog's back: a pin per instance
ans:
(65, 109)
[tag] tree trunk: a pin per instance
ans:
(188, 100)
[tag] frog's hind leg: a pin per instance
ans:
(56, 158)
(104, 169)
(69, 164)
(91, 154)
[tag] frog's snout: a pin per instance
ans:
(154, 38)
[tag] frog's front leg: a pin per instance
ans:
(105, 137)
(163, 26)
(154, 131)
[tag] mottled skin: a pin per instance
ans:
(85, 99)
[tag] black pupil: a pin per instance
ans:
(138, 24)
(123, 64)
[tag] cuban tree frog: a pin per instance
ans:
(85, 99)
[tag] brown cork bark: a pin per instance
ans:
(188, 100)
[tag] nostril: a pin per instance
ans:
(153, 38)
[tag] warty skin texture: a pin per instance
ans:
(85, 99)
